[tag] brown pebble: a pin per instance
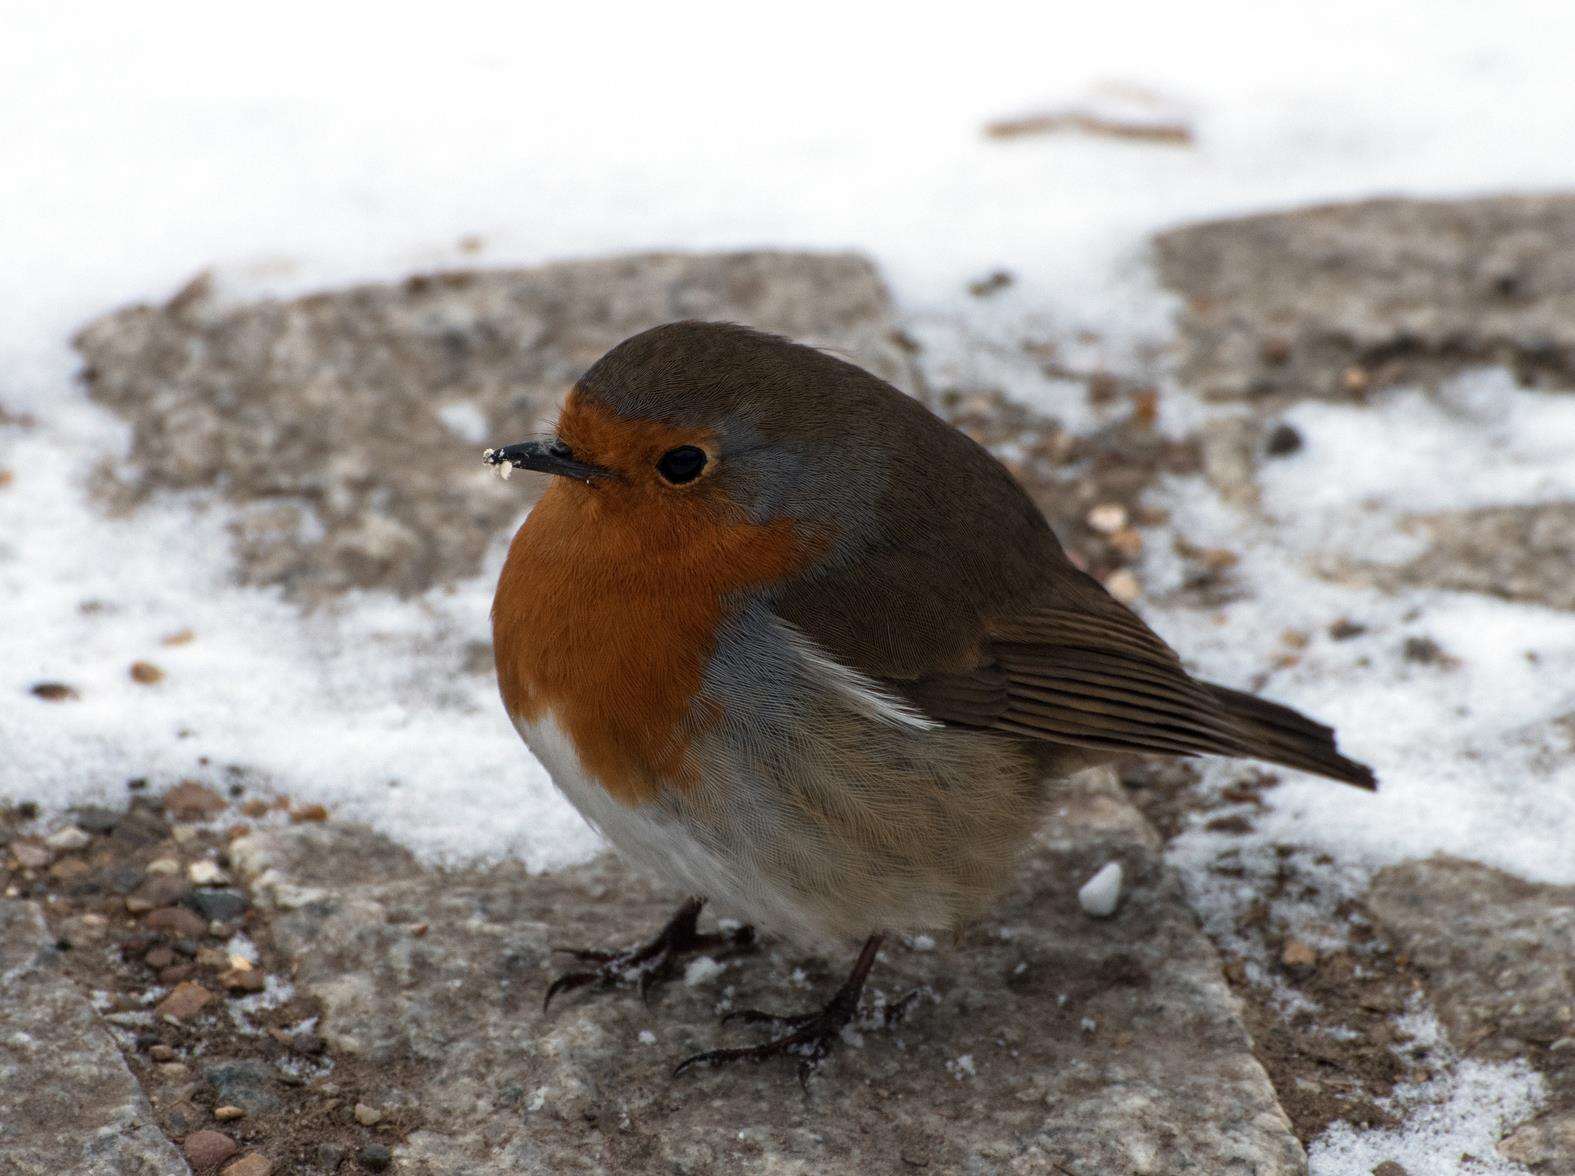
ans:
(70, 869)
(179, 637)
(162, 890)
(1283, 440)
(1128, 542)
(176, 1071)
(255, 808)
(146, 673)
(186, 1000)
(1345, 628)
(159, 957)
(175, 973)
(225, 1113)
(1390, 1168)
(161, 1053)
(1298, 954)
(1355, 380)
(176, 921)
(309, 812)
(253, 1164)
(191, 801)
(244, 980)
(367, 1116)
(206, 1150)
(32, 855)
(54, 692)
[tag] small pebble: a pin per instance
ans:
(68, 839)
(252, 1164)
(186, 1000)
(309, 812)
(176, 921)
(244, 980)
(206, 1150)
(161, 1053)
(1108, 517)
(162, 867)
(367, 1116)
(1283, 440)
(1128, 542)
(226, 1113)
(146, 673)
(1124, 586)
(375, 1157)
(192, 801)
(31, 855)
(206, 873)
(54, 692)
(159, 957)
(175, 1070)
(217, 905)
(1298, 954)
(1101, 894)
(97, 820)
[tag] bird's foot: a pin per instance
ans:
(647, 965)
(810, 1037)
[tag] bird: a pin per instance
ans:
(792, 643)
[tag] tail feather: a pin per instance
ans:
(1282, 736)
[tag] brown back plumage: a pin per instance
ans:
(940, 579)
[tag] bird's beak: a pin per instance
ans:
(547, 457)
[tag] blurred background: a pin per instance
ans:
(1271, 306)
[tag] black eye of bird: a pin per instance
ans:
(682, 464)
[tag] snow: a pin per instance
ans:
(1465, 1113)
(328, 144)
(1100, 895)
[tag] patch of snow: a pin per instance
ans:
(465, 421)
(962, 1067)
(1450, 1124)
(701, 969)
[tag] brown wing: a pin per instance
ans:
(1099, 678)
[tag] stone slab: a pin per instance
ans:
(1051, 1042)
(68, 1103)
(349, 425)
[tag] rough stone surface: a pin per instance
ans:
(67, 1101)
(1498, 954)
(1517, 552)
(1052, 1042)
(324, 417)
(1333, 301)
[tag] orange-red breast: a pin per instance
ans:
(791, 642)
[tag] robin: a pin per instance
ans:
(792, 642)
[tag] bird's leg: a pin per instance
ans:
(809, 1037)
(652, 962)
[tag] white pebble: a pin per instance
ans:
(647, 1037)
(160, 867)
(1101, 894)
(1108, 517)
(68, 838)
(206, 873)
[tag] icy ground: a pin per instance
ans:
(325, 144)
